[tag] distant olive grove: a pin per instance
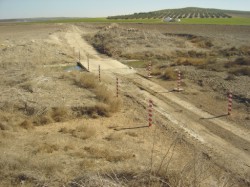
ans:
(177, 13)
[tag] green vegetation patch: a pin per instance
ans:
(136, 64)
(217, 21)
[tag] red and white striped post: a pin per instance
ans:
(149, 70)
(99, 69)
(230, 101)
(179, 81)
(150, 113)
(117, 87)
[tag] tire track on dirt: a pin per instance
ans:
(228, 146)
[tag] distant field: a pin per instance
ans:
(97, 20)
(216, 21)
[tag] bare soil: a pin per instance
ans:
(188, 145)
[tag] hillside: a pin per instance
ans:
(190, 12)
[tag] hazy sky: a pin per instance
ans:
(103, 8)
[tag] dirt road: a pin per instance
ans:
(226, 143)
(74, 38)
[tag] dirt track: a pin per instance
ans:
(226, 143)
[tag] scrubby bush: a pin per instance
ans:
(169, 74)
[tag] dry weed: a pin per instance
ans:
(190, 61)
(169, 74)
(115, 137)
(28, 86)
(60, 114)
(46, 148)
(83, 131)
(109, 155)
(241, 71)
(27, 124)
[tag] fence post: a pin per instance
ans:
(179, 81)
(79, 56)
(149, 70)
(117, 87)
(150, 113)
(99, 69)
(88, 61)
(230, 100)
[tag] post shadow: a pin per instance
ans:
(131, 128)
(220, 116)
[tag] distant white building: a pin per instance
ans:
(169, 19)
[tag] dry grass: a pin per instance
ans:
(108, 154)
(241, 71)
(46, 148)
(27, 124)
(238, 67)
(107, 102)
(83, 131)
(169, 74)
(191, 61)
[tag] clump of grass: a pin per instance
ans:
(238, 62)
(83, 80)
(27, 124)
(190, 61)
(4, 126)
(169, 74)
(202, 42)
(107, 103)
(28, 86)
(190, 54)
(47, 148)
(111, 156)
(156, 71)
(60, 114)
(241, 71)
(83, 132)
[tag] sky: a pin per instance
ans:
(102, 8)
